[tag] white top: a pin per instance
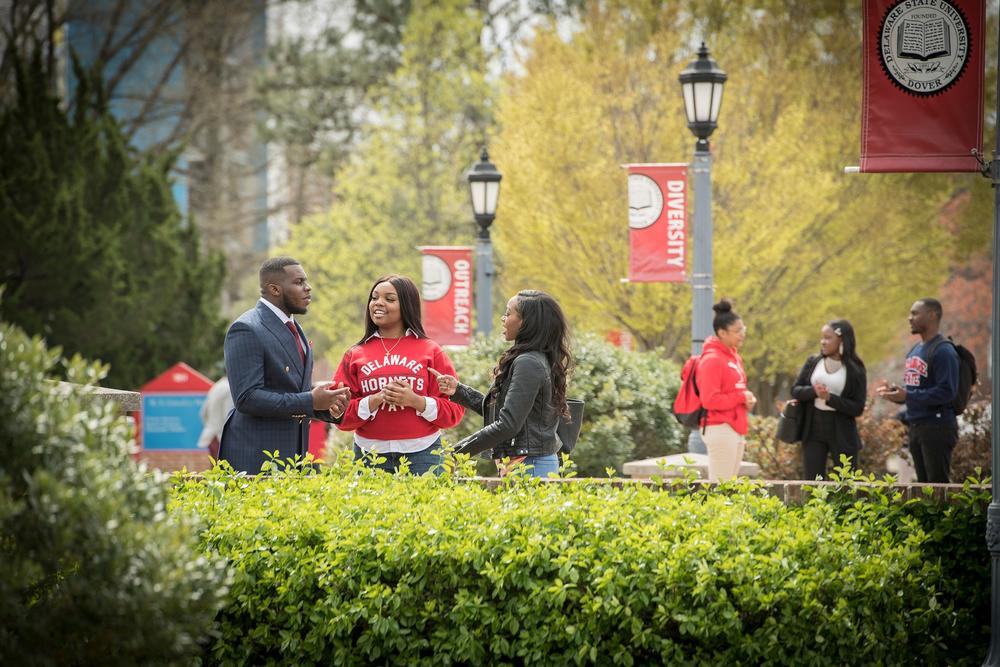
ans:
(834, 381)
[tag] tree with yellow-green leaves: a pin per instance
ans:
(796, 242)
(403, 186)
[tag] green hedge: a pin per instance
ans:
(358, 567)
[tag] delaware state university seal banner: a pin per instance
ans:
(447, 294)
(657, 221)
(922, 98)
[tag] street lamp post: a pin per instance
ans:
(484, 189)
(702, 82)
(993, 511)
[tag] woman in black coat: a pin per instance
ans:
(832, 389)
(523, 408)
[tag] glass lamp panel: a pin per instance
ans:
(702, 100)
(688, 89)
(478, 191)
(492, 195)
(716, 100)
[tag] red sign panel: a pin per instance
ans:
(922, 100)
(447, 294)
(657, 220)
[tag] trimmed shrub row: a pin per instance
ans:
(356, 567)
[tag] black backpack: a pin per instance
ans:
(967, 375)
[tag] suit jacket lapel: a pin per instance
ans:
(281, 332)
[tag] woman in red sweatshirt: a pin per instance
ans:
(396, 408)
(722, 386)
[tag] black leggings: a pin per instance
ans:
(822, 441)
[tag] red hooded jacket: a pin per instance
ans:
(721, 385)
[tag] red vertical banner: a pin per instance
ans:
(657, 221)
(447, 294)
(922, 97)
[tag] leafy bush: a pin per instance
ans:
(627, 399)
(94, 569)
(363, 567)
(954, 540)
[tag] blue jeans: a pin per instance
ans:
(421, 462)
(541, 466)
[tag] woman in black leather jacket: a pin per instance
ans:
(832, 388)
(522, 408)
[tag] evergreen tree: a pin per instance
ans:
(96, 255)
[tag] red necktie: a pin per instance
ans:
(298, 339)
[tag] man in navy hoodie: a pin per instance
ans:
(930, 387)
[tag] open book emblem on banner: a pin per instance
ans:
(645, 201)
(924, 45)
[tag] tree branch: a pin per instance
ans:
(153, 98)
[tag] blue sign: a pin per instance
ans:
(171, 421)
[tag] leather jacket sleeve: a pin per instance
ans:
(526, 378)
(468, 398)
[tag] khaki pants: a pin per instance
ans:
(725, 451)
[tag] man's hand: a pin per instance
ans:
(325, 397)
(401, 393)
(340, 403)
(891, 392)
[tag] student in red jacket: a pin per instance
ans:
(722, 386)
(396, 408)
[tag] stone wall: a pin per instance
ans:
(789, 491)
(169, 460)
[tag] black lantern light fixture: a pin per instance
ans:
(484, 189)
(702, 82)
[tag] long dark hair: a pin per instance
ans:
(844, 329)
(409, 306)
(543, 329)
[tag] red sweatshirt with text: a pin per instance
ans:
(367, 369)
(721, 382)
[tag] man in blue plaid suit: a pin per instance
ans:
(269, 363)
